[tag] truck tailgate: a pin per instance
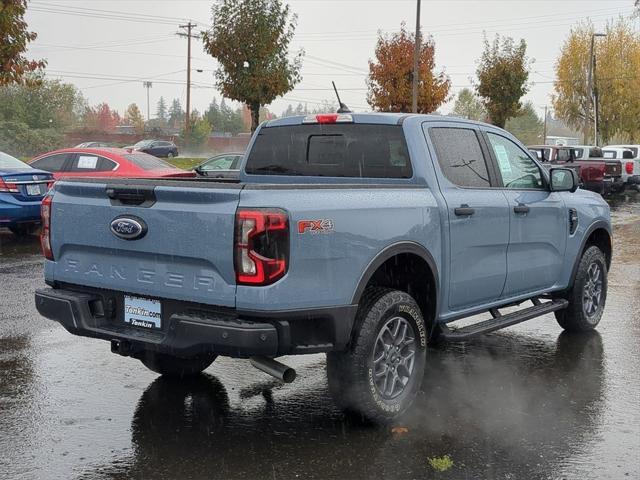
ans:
(185, 254)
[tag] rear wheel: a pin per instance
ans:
(588, 294)
(381, 373)
(172, 366)
(23, 230)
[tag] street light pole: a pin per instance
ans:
(148, 85)
(416, 63)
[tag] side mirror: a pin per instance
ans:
(563, 180)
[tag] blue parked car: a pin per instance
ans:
(22, 189)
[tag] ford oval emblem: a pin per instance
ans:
(128, 228)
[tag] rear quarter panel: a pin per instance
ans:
(325, 268)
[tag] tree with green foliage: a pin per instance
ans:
(48, 104)
(176, 113)
(250, 40)
(469, 106)
(133, 116)
(199, 131)
(17, 139)
(526, 125)
(213, 115)
(14, 39)
(161, 111)
(502, 78)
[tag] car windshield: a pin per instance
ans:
(9, 162)
(147, 162)
(143, 143)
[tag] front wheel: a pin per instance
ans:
(170, 155)
(588, 294)
(172, 366)
(381, 372)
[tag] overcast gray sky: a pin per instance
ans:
(107, 48)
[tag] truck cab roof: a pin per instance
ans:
(381, 118)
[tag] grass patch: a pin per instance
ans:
(441, 464)
(186, 163)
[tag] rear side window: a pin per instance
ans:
(609, 153)
(460, 156)
(51, 163)
(579, 152)
(335, 150)
(147, 162)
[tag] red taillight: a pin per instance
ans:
(261, 246)
(328, 118)
(8, 187)
(45, 234)
(629, 168)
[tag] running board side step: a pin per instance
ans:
(502, 321)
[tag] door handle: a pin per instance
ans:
(521, 209)
(464, 210)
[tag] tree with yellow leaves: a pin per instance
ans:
(391, 75)
(617, 81)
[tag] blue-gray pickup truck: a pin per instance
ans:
(365, 236)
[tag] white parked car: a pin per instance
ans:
(629, 155)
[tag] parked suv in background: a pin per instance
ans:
(364, 236)
(157, 148)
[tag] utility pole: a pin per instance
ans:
(148, 85)
(187, 126)
(416, 62)
(592, 86)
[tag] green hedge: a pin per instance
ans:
(19, 140)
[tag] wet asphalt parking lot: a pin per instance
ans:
(528, 402)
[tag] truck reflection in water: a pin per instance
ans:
(504, 406)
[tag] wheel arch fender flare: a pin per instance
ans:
(597, 225)
(389, 252)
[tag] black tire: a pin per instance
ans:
(357, 381)
(170, 155)
(24, 230)
(172, 366)
(584, 313)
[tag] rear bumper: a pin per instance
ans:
(188, 330)
(12, 211)
(613, 185)
(633, 180)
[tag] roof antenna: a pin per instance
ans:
(343, 108)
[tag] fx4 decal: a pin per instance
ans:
(324, 225)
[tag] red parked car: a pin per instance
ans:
(105, 162)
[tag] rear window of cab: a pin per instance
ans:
(331, 150)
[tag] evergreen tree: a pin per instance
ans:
(176, 114)
(161, 111)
